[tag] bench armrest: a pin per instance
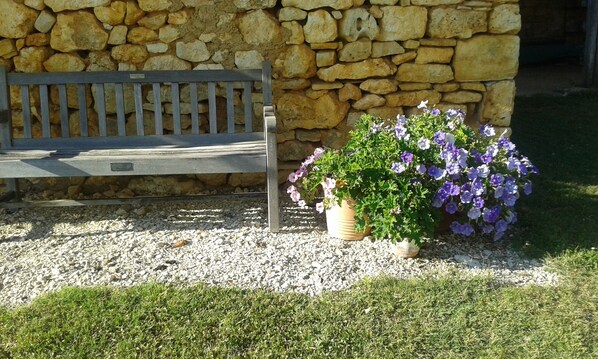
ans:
(269, 119)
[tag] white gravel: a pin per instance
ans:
(45, 249)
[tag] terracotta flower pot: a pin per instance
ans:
(406, 249)
(341, 222)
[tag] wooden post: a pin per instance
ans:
(591, 48)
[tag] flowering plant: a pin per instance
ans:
(403, 175)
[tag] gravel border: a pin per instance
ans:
(224, 242)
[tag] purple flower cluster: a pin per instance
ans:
(302, 172)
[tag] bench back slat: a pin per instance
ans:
(64, 111)
(120, 109)
(248, 106)
(176, 109)
(194, 111)
(100, 105)
(157, 109)
(43, 97)
(139, 109)
(82, 99)
(212, 106)
(230, 108)
(26, 106)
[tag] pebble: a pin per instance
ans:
(227, 244)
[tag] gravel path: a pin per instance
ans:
(226, 243)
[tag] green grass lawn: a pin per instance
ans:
(380, 318)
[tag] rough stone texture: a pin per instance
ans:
(380, 87)
(254, 4)
(154, 5)
(110, 98)
(118, 35)
(251, 59)
(473, 86)
(134, 13)
(297, 61)
(349, 92)
(17, 19)
(325, 58)
(386, 112)
(246, 179)
(435, 2)
(113, 14)
(168, 34)
(194, 51)
(432, 73)
(309, 135)
(411, 44)
(315, 4)
(37, 39)
(320, 27)
(386, 48)
(356, 51)
(369, 101)
(180, 17)
(295, 150)
(438, 42)
(505, 19)
(498, 103)
(214, 180)
(61, 5)
(358, 23)
(141, 35)
(447, 87)
(402, 23)
(269, 30)
(64, 63)
(30, 59)
(413, 98)
(383, 2)
(414, 86)
(154, 20)
(157, 48)
(100, 61)
(291, 14)
(78, 31)
(130, 53)
(44, 21)
(462, 97)
(298, 111)
(321, 85)
(402, 58)
(295, 29)
(486, 58)
(35, 4)
(166, 62)
(448, 22)
(358, 70)
(429, 55)
(7, 48)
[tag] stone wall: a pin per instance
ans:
(333, 59)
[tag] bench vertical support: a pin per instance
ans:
(271, 144)
(6, 126)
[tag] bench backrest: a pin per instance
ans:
(58, 106)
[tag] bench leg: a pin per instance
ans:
(12, 191)
(273, 205)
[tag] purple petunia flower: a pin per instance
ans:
(295, 196)
(436, 172)
(401, 120)
(450, 138)
(401, 133)
(466, 196)
(292, 177)
(491, 215)
(439, 138)
(504, 142)
(398, 167)
(437, 202)
(423, 143)
(510, 200)
(478, 202)
(474, 213)
(486, 158)
(407, 157)
(472, 173)
(483, 171)
(442, 194)
(318, 152)
(421, 168)
(435, 112)
(467, 230)
(501, 225)
(487, 229)
(497, 179)
(451, 207)
(527, 188)
(499, 192)
(453, 168)
(512, 164)
(477, 187)
(487, 131)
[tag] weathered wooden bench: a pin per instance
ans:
(58, 134)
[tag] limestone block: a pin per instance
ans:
(325, 58)
(376, 12)
(149, 124)
(386, 48)
(17, 19)
(402, 58)
(7, 48)
(290, 84)
(386, 112)
(315, 94)
(320, 27)
(379, 86)
(78, 30)
(134, 13)
(505, 19)
(153, 20)
(315, 4)
(209, 67)
(100, 61)
(413, 98)
(251, 59)
(197, 3)
(383, 2)
(462, 97)
(356, 51)
(166, 62)
(169, 33)
(254, 4)
(357, 3)
(291, 14)
(298, 111)
(44, 21)
(37, 39)
(337, 15)
(62, 5)
(295, 150)
(429, 55)
(449, 22)
(334, 138)
(64, 63)
(220, 55)
(214, 180)
(486, 58)
(353, 117)
(113, 14)
(154, 5)
(180, 17)
(358, 23)
(72, 100)
(473, 86)
(259, 28)
(296, 32)
(499, 103)
(297, 61)
(110, 98)
(141, 35)
(369, 101)
(321, 85)
(447, 87)
(126, 66)
(35, 4)
(435, 2)
(438, 42)
(358, 70)
(432, 73)
(207, 37)
(194, 51)
(75, 123)
(402, 23)
(349, 92)
(414, 86)
(308, 135)
(30, 59)
(130, 53)
(118, 35)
